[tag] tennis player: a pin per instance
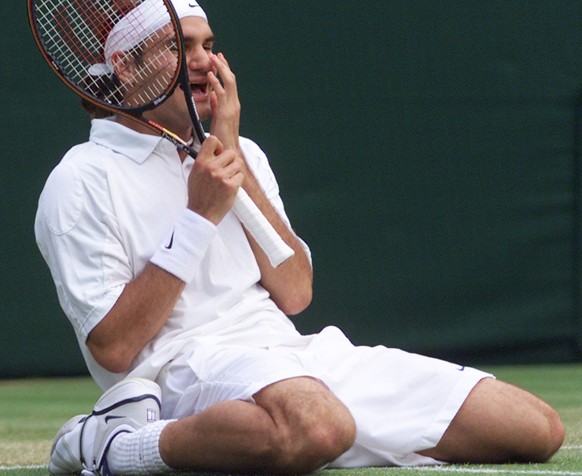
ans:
(184, 324)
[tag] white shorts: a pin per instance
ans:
(402, 403)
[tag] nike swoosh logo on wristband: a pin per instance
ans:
(169, 246)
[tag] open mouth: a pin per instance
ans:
(199, 89)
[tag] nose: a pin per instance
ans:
(197, 58)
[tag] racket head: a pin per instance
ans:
(124, 56)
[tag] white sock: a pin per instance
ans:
(138, 452)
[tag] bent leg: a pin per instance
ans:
(500, 423)
(295, 426)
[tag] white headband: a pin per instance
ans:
(138, 25)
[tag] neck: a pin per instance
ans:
(133, 125)
(187, 135)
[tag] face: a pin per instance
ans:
(198, 43)
(147, 70)
(156, 63)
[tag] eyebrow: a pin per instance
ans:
(208, 39)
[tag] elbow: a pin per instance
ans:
(112, 357)
(297, 302)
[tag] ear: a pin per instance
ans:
(124, 67)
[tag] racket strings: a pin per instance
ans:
(74, 33)
(157, 66)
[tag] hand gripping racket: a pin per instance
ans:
(127, 57)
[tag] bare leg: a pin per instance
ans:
(500, 423)
(296, 426)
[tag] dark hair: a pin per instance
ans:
(95, 111)
(107, 89)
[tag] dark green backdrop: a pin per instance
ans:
(428, 151)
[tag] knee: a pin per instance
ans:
(310, 447)
(328, 440)
(310, 426)
(545, 439)
(552, 436)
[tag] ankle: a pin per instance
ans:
(138, 452)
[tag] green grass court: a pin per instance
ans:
(31, 411)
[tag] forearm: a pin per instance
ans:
(290, 284)
(138, 315)
(147, 301)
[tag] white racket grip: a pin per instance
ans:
(261, 229)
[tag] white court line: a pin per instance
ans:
(449, 469)
(436, 469)
(10, 468)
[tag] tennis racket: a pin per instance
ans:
(127, 57)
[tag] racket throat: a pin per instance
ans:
(180, 143)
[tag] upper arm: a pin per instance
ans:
(77, 237)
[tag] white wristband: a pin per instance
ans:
(185, 245)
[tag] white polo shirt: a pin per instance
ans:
(107, 208)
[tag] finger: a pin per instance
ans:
(222, 58)
(211, 147)
(219, 60)
(223, 69)
(237, 179)
(230, 166)
(213, 102)
(233, 173)
(215, 84)
(225, 162)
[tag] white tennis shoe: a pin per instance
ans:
(81, 445)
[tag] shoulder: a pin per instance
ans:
(64, 194)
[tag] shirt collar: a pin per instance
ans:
(123, 140)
